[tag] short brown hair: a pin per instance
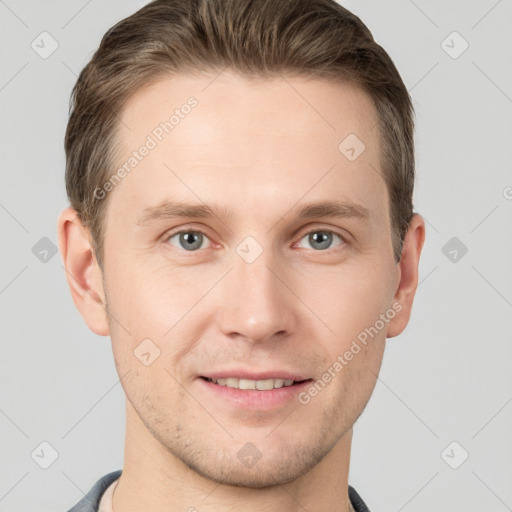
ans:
(264, 38)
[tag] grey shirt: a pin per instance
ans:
(91, 501)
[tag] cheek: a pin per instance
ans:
(151, 311)
(349, 299)
(150, 301)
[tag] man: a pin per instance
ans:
(240, 176)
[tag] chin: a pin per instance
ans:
(248, 466)
(258, 477)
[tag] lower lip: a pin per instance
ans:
(255, 398)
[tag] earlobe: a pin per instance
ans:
(408, 275)
(82, 271)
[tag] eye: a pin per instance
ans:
(188, 240)
(321, 239)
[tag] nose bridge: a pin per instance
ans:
(255, 303)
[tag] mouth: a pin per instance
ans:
(268, 391)
(251, 384)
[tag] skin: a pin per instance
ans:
(258, 148)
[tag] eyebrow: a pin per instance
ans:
(171, 209)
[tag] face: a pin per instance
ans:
(246, 243)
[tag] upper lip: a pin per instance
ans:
(251, 375)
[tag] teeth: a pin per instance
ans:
(263, 385)
(247, 384)
(279, 383)
(232, 383)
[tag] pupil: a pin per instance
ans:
(191, 240)
(321, 238)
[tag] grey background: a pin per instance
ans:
(446, 379)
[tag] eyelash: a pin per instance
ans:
(171, 234)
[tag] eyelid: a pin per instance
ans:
(326, 230)
(171, 233)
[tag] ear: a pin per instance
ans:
(407, 276)
(82, 271)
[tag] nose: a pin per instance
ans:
(256, 303)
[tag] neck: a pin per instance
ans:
(154, 479)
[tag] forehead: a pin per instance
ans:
(227, 102)
(228, 136)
